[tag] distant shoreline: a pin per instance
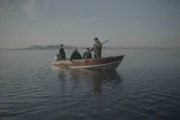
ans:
(86, 47)
(55, 47)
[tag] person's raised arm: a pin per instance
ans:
(92, 48)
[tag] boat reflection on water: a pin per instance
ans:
(98, 78)
(101, 78)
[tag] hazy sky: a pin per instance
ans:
(126, 23)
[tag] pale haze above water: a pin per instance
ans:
(126, 23)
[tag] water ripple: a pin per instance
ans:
(138, 89)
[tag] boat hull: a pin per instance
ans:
(101, 63)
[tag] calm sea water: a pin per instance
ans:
(146, 86)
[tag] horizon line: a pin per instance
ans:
(88, 47)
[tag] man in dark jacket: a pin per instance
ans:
(75, 55)
(62, 54)
(87, 54)
(97, 48)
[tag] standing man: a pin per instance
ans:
(62, 54)
(97, 48)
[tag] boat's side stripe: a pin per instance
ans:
(95, 65)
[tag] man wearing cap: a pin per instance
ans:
(97, 48)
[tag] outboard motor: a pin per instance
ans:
(56, 57)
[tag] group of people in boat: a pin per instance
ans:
(97, 48)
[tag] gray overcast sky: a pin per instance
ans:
(126, 23)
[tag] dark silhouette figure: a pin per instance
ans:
(62, 54)
(75, 55)
(87, 54)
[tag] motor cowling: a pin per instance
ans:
(56, 57)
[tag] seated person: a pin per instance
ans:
(87, 54)
(75, 55)
(62, 54)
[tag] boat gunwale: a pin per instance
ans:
(77, 60)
